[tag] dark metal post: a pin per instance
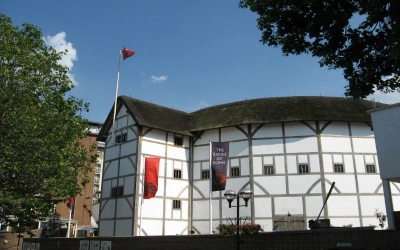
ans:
(237, 224)
(327, 197)
(230, 196)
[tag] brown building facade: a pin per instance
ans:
(81, 215)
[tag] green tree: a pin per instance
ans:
(358, 36)
(42, 161)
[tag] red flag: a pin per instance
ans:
(127, 53)
(151, 177)
(70, 203)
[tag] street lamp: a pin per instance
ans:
(230, 196)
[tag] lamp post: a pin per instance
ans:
(230, 196)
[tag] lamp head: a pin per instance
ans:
(230, 196)
(246, 194)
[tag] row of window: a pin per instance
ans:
(235, 172)
(178, 140)
(268, 170)
(302, 169)
(119, 191)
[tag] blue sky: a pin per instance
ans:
(189, 54)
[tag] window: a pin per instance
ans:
(176, 204)
(178, 140)
(235, 171)
(121, 138)
(205, 174)
(96, 180)
(124, 137)
(117, 191)
(268, 169)
(370, 168)
(177, 174)
(338, 168)
(303, 168)
(118, 139)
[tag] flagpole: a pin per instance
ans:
(115, 102)
(69, 222)
(211, 194)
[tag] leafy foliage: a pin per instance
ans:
(361, 37)
(245, 228)
(249, 228)
(381, 218)
(41, 156)
(226, 229)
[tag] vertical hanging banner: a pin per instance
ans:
(219, 164)
(151, 177)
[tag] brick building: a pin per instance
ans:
(82, 209)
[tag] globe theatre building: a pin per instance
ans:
(288, 150)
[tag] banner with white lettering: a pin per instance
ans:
(219, 164)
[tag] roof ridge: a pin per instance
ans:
(152, 103)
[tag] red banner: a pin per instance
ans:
(151, 177)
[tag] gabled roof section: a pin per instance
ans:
(263, 110)
(283, 109)
(149, 115)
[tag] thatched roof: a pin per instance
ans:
(263, 110)
(149, 115)
(283, 109)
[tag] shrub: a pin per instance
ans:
(226, 229)
(249, 228)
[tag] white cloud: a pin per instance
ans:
(158, 79)
(72, 78)
(389, 98)
(60, 44)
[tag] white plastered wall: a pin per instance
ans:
(285, 146)
(117, 213)
(159, 211)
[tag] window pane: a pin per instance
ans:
(338, 168)
(117, 191)
(205, 174)
(235, 172)
(124, 137)
(176, 204)
(178, 140)
(370, 168)
(177, 174)
(268, 170)
(303, 168)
